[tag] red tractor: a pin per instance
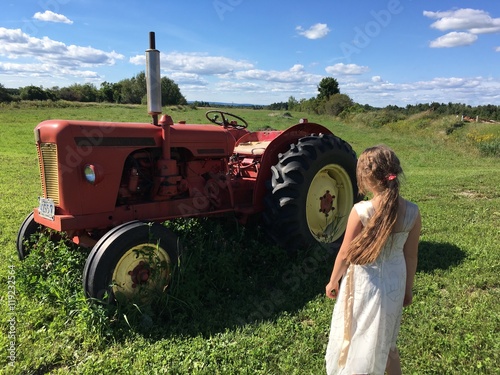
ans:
(109, 187)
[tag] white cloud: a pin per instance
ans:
(497, 49)
(11, 36)
(203, 64)
(296, 74)
(347, 69)
(473, 20)
(467, 22)
(470, 90)
(232, 80)
(453, 39)
(15, 44)
(50, 57)
(238, 86)
(448, 83)
(182, 78)
(265, 86)
(229, 78)
(43, 70)
(88, 56)
(138, 60)
(297, 68)
(197, 63)
(49, 16)
(317, 31)
(376, 79)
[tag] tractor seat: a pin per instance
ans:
(251, 148)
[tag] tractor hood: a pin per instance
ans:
(82, 136)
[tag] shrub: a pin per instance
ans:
(490, 148)
(378, 118)
(487, 144)
(53, 270)
(453, 127)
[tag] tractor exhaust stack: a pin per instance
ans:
(153, 79)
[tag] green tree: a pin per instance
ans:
(133, 90)
(88, 93)
(140, 83)
(4, 94)
(170, 93)
(79, 93)
(117, 92)
(53, 93)
(309, 105)
(128, 94)
(33, 93)
(106, 92)
(337, 103)
(280, 106)
(327, 87)
(292, 103)
(67, 93)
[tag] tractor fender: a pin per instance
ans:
(281, 144)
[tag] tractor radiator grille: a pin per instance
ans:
(47, 156)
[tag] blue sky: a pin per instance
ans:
(387, 52)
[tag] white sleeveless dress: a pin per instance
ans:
(367, 315)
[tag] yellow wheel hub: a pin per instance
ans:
(142, 270)
(329, 201)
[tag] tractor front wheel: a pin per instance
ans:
(24, 242)
(132, 262)
(313, 188)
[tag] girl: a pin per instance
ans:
(378, 258)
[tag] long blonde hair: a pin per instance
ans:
(379, 170)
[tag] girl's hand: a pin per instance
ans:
(408, 298)
(332, 289)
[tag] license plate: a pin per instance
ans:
(47, 209)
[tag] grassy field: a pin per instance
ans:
(240, 305)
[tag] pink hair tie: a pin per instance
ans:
(391, 177)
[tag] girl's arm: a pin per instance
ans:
(410, 251)
(354, 227)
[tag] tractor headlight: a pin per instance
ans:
(92, 174)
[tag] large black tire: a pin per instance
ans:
(312, 191)
(28, 228)
(132, 262)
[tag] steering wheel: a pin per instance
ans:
(224, 121)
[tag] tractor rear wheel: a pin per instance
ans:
(132, 263)
(313, 188)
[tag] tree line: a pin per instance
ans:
(329, 101)
(126, 91)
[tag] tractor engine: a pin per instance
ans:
(138, 177)
(205, 180)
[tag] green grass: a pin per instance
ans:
(240, 305)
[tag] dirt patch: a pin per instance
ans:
(472, 194)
